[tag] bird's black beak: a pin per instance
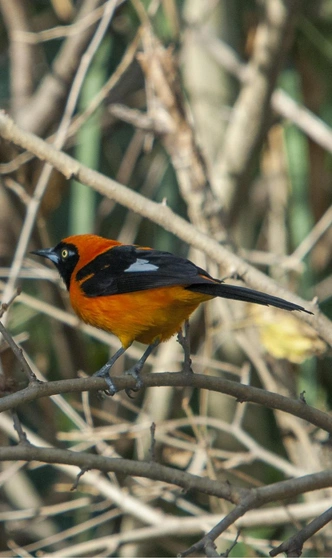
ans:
(48, 253)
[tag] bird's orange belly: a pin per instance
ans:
(140, 316)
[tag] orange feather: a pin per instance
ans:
(133, 316)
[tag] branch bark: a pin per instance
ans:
(239, 391)
(15, 15)
(311, 124)
(245, 499)
(293, 545)
(252, 110)
(164, 216)
(46, 104)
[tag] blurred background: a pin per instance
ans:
(222, 109)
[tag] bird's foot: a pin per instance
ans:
(134, 371)
(104, 372)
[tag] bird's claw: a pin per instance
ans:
(135, 373)
(104, 373)
(111, 388)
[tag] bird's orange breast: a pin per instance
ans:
(137, 316)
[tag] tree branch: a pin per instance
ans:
(311, 124)
(239, 391)
(252, 110)
(163, 216)
(251, 498)
(245, 499)
(15, 15)
(44, 107)
(134, 468)
(293, 545)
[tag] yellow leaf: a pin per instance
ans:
(283, 335)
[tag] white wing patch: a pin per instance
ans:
(141, 265)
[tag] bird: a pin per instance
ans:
(139, 293)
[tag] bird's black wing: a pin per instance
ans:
(125, 269)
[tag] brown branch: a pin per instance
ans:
(293, 545)
(255, 498)
(15, 15)
(313, 126)
(18, 354)
(239, 391)
(250, 498)
(252, 110)
(19, 429)
(46, 104)
(148, 469)
(163, 216)
(166, 107)
(59, 141)
(245, 499)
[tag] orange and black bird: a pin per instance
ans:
(137, 293)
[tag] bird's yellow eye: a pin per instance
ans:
(64, 254)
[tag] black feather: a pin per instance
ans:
(246, 295)
(110, 273)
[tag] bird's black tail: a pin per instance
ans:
(246, 295)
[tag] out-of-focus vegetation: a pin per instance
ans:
(273, 211)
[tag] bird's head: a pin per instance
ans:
(65, 257)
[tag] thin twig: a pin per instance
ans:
(18, 427)
(153, 442)
(77, 480)
(60, 138)
(5, 305)
(233, 545)
(313, 126)
(313, 237)
(60, 31)
(184, 340)
(293, 545)
(19, 354)
(8, 338)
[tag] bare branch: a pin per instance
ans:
(160, 214)
(166, 108)
(252, 110)
(239, 391)
(151, 469)
(18, 353)
(311, 124)
(246, 498)
(46, 104)
(59, 141)
(293, 545)
(15, 14)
